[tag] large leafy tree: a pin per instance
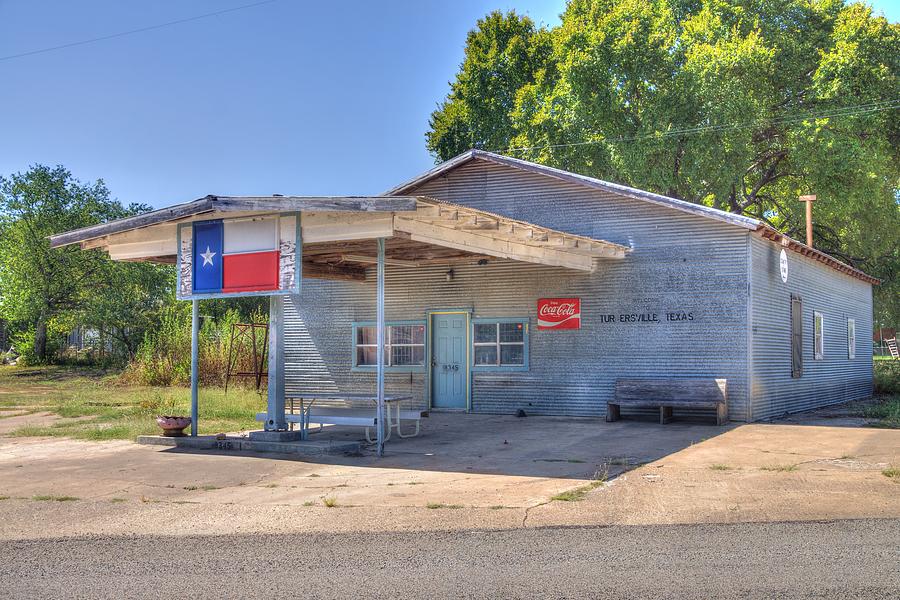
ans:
(43, 288)
(503, 53)
(738, 104)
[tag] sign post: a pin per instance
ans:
(243, 256)
(195, 365)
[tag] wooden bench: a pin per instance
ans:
(667, 394)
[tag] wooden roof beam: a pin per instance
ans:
(476, 223)
(483, 244)
(396, 262)
(337, 272)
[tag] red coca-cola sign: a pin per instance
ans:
(559, 313)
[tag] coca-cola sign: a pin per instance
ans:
(559, 313)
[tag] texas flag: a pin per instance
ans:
(237, 255)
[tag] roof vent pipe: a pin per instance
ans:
(809, 199)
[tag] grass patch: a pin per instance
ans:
(330, 502)
(4, 497)
(720, 467)
(117, 411)
(309, 503)
(437, 505)
(313, 475)
(886, 409)
(51, 498)
(117, 500)
(497, 507)
(892, 473)
(577, 494)
(780, 468)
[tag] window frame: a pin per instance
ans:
(355, 366)
(851, 338)
(818, 336)
(498, 344)
(796, 320)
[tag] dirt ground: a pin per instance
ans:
(463, 472)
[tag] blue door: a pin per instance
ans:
(449, 362)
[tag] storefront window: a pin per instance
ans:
(500, 343)
(404, 345)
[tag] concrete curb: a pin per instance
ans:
(238, 444)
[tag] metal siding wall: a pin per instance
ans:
(838, 297)
(680, 262)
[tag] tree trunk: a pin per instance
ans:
(40, 340)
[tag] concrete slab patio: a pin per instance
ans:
(464, 471)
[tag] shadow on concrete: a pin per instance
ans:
(547, 447)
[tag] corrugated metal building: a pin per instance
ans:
(702, 293)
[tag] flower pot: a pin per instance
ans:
(173, 426)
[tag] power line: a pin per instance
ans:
(859, 109)
(132, 31)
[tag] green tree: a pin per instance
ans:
(738, 104)
(43, 288)
(503, 53)
(126, 301)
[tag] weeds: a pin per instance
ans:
(576, 494)
(892, 473)
(720, 467)
(780, 468)
(887, 378)
(437, 505)
(330, 502)
(51, 498)
(887, 410)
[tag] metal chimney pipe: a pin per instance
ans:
(809, 199)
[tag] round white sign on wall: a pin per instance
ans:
(784, 266)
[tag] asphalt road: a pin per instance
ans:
(845, 559)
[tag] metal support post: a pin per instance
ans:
(275, 420)
(195, 364)
(379, 326)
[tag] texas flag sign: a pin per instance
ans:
(247, 256)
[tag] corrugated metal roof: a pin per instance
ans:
(623, 190)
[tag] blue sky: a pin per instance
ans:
(289, 97)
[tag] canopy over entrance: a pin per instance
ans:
(338, 233)
(340, 237)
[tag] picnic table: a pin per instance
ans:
(347, 415)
